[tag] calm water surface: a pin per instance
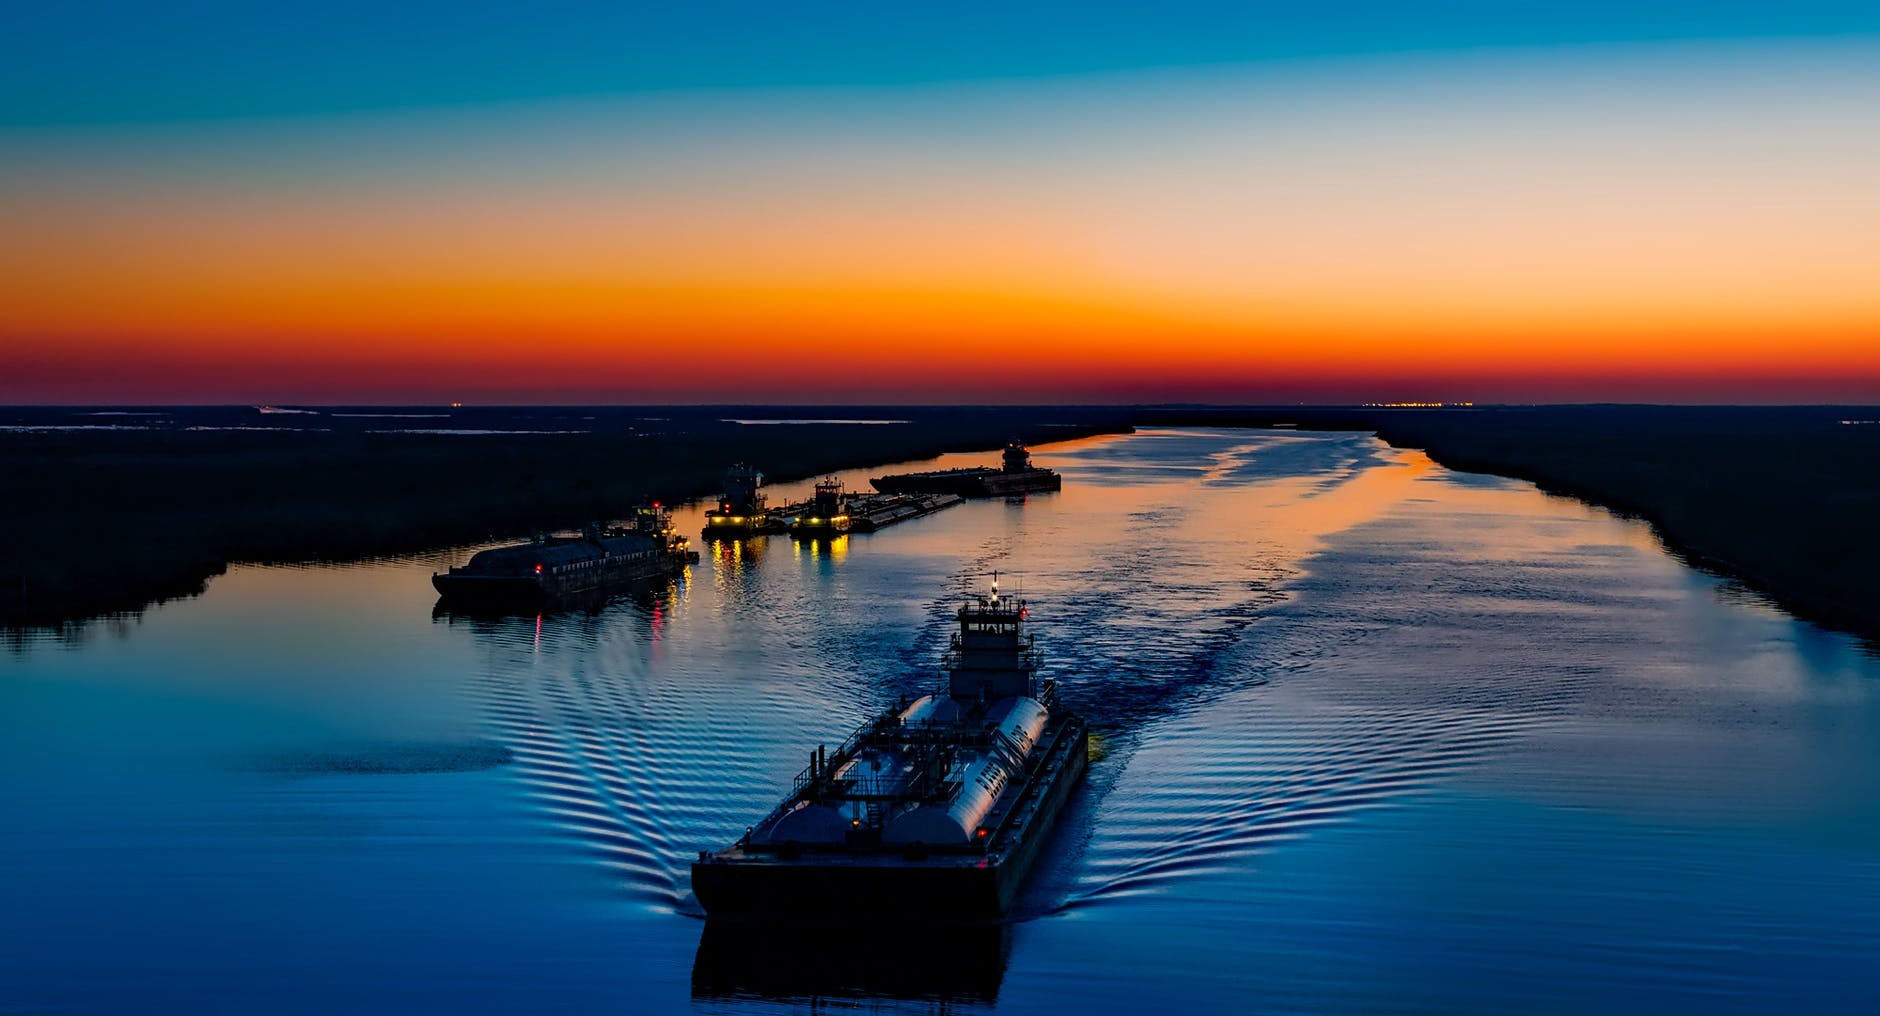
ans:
(1374, 737)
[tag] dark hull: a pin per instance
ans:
(753, 525)
(923, 961)
(745, 532)
(887, 885)
(518, 592)
(970, 482)
(802, 532)
(490, 592)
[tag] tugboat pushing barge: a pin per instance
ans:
(936, 808)
(1015, 475)
(827, 514)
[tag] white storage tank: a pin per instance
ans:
(981, 781)
(982, 778)
(1021, 720)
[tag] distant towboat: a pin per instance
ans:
(1016, 475)
(553, 569)
(743, 511)
(826, 515)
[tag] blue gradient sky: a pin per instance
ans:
(217, 202)
(86, 61)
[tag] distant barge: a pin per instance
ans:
(937, 808)
(1016, 475)
(871, 513)
(744, 512)
(834, 512)
(555, 569)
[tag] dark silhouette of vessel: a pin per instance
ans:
(826, 515)
(944, 962)
(1015, 475)
(742, 512)
(564, 569)
(936, 808)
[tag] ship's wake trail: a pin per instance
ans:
(1211, 790)
(590, 768)
(1343, 724)
(1394, 665)
(634, 769)
(1252, 688)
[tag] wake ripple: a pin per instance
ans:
(1211, 791)
(634, 772)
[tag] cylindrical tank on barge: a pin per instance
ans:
(983, 775)
(811, 823)
(1019, 720)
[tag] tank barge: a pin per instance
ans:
(1015, 475)
(936, 808)
(557, 569)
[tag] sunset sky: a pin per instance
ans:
(222, 202)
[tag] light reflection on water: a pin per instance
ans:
(1375, 736)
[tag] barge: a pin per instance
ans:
(936, 808)
(1014, 475)
(871, 513)
(559, 569)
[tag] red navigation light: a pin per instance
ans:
(984, 832)
(655, 504)
(538, 569)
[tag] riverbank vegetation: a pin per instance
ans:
(110, 520)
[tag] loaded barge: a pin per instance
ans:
(557, 569)
(743, 511)
(1015, 475)
(883, 510)
(833, 511)
(936, 808)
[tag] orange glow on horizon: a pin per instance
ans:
(1442, 235)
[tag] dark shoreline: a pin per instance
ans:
(109, 522)
(1785, 500)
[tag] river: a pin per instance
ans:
(1371, 736)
